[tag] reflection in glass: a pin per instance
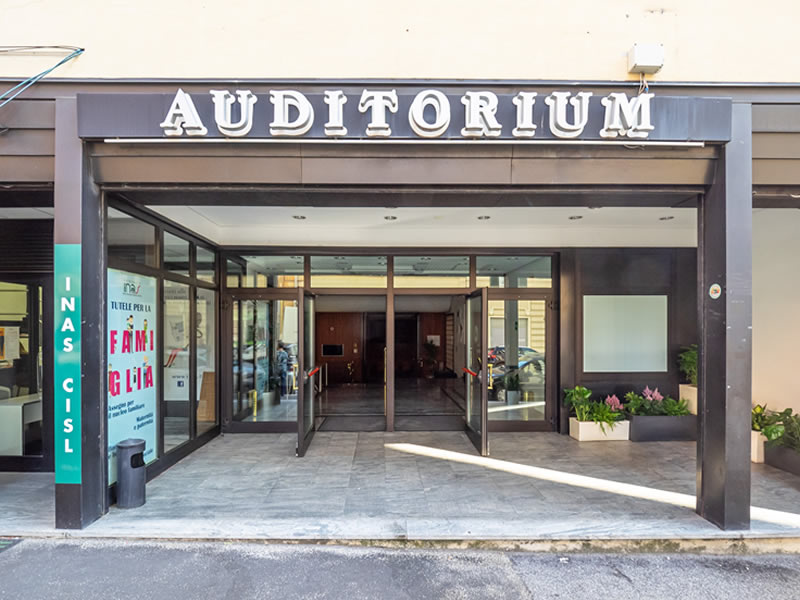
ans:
(206, 360)
(235, 274)
(348, 272)
(20, 370)
(206, 264)
(431, 271)
(176, 364)
(176, 254)
(514, 271)
(265, 360)
(517, 344)
(130, 239)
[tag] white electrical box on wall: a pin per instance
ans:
(645, 58)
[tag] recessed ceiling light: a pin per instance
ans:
(390, 207)
(299, 217)
(390, 218)
(667, 218)
(484, 218)
(575, 217)
(595, 207)
(794, 195)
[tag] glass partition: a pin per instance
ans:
(514, 271)
(348, 272)
(431, 271)
(266, 272)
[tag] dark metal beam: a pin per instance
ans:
(79, 235)
(725, 321)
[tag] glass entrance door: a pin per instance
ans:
(307, 372)
(476, 378)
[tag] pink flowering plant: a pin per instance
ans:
(652, 403)
(606, 413)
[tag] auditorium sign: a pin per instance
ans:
(410, 113)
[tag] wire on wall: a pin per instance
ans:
(15, 91)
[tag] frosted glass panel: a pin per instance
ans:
(624, 334)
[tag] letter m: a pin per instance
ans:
(627, 116)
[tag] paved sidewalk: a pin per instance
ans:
(420, 486)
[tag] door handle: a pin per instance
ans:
(466, 370)
(312, 372)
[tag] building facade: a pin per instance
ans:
(354, 218)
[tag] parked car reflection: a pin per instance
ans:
(526, 379)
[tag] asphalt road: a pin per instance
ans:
(117, 570)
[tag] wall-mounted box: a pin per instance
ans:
(645, 58)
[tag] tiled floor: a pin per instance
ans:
(420, 485)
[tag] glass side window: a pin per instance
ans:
(176, 254)
(130, 239)
(205, 334)
(206, 264)
(176, 364)
(348, 272)
(514, 271)
(431, 271)
(20, 370)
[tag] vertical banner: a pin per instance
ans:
(67, 363)
(131, 353)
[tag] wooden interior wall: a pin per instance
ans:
(433, 324)
(346, 329)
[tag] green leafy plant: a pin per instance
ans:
(605, 414)
(651, 403)
(785, 431)
(511, 382)
(687, 363)
(769, 423)
(579, 399)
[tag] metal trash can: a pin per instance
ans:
(131, 473)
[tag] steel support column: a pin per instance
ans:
(80, 390)
(724, 261)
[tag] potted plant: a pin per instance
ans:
(766, 426)
(430, 357)
(783, 442)
(687, 363)
(658, 418)
(512, 388)
(595, 421)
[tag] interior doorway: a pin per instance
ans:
(428, 356)
(351, 352)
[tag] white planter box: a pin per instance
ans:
(689, 393)
(757, 441)
(589, 431)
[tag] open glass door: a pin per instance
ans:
(306, 373)
(477, 394)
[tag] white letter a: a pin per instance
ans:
(182, 116)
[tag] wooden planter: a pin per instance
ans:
(783, 458)
(663, 428)
(757, 442)
(689, 393)
(589, 431)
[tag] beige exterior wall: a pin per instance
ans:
(704, 40)
(776, 308)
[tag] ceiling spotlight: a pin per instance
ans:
(484, 218)
(390, 218)
(575, 217)
(667, 218)
(299, 217)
